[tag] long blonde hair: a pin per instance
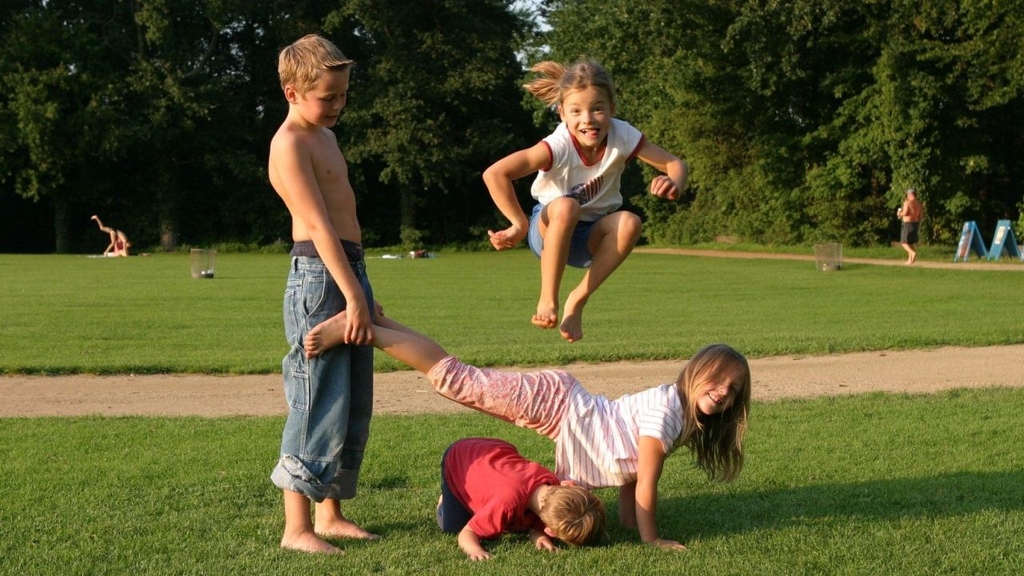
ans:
(716, 440)
(555, 81)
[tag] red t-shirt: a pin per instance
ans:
(494, 482)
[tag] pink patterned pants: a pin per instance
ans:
(534, 400)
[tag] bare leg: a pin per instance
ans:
(396, 339)
(298, 527)
(108, 230)
(911, 253)
(558, 220)
(331, 523)
(611, 241)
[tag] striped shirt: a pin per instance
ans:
(598, 444)
(596, 439)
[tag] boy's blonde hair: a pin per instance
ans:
(556, 81)
(716, 440)
(304, 62)
(574, 514)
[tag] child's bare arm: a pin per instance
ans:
(649, 467)
(296, 183)
(677, 173)
(499, 178)
(469, 542)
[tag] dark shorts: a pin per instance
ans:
(452, 516)
(908, 232)
(579, 254)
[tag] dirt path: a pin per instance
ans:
(915, 371)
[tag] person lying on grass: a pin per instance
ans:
(598, 442)
(488, 489)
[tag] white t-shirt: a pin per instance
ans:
(598, 444)
(596, 186)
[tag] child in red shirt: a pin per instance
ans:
(488, 488)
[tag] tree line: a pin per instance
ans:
(802, 120)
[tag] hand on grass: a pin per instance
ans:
(542, 541)
(666, 544)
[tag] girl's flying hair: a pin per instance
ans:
(555, 81)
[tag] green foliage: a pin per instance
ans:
(423, 122)
(67, 314)
(826, 489)
(801, 119)
(805, 119)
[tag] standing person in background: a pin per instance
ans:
(577, 220)
(910, 213)
(119, 243)
(329, 398)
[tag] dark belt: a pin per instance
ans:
(305, 248)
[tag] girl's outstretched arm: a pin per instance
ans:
(677, 173)
(499, 178)
(396, 339)
(649, 467)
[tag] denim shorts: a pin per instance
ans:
(579, 254)
(330, 398)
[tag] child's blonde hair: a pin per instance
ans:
(556, 81)
(716, 440)
(574, 514)
(302, 63)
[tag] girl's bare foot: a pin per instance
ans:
(571, 328)
(546, 316)
(544, 321)
(325, 335)
(310, 543)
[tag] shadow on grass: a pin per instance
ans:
(945, 495)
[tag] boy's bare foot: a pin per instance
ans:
(571, 328)
(310, 543)
(325, 335)
(343, 528)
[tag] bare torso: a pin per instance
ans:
(911, 211)
(330, 172)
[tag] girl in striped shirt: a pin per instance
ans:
(598, 442)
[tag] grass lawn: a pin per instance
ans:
(873, 484)
(870, 484)
(68, 314)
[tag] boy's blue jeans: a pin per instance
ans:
(330, 398)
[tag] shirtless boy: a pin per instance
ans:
(329, 398)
